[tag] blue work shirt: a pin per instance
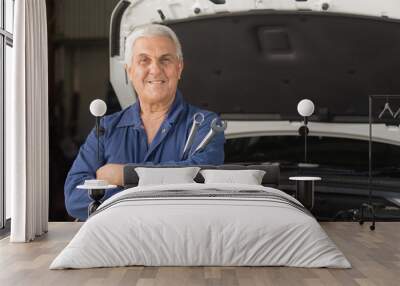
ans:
(125, 141)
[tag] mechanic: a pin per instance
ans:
(151, 131)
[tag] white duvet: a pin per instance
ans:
(207, 230)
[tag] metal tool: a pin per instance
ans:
(198, 119)
(215, 129)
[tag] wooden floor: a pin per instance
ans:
(375, 256)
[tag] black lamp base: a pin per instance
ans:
(305, 193)
(96, 195)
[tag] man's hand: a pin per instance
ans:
(112, 173)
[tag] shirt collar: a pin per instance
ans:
(131, 116)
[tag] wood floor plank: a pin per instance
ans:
(374, 255)
(313, 282)
(212, 272)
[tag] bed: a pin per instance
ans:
(201, 224)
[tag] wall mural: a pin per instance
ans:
(79, 72)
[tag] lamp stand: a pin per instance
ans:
(305, 138)
(303, 131)
(371, 206)
(99, 132)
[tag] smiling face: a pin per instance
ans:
(155, 69)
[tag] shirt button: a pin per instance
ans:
(163, 130)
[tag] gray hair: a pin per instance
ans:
(150, 30)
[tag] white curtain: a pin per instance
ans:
(27, 148)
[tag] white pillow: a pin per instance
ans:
(248, 177)
(165, 176)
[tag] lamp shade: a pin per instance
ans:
(305, 107)
(98, 107)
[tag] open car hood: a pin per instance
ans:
(255, 60)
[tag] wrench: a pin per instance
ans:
(215, 129)
(198, 119)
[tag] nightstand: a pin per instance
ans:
(305, 190)
(96, 190)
